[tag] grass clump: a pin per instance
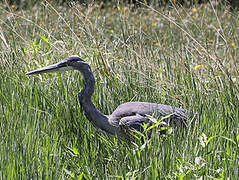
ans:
(177, 56)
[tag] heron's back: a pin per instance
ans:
(178, 115)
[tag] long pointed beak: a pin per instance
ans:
(59, 67)
(47, 69)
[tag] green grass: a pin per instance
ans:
(183, 57)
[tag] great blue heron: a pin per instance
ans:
(130, 115)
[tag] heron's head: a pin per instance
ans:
(69, 63)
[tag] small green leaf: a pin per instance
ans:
(81, 176)
(44, 38)
(75, 151)
(158, 123)
(72, 175)
(209, 139)
(237, 137)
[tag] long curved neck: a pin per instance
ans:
(91, 112)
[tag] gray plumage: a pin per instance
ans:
(130, 115)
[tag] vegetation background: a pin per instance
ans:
(186, 56)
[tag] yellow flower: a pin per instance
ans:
(157, 44)
(154, 24)
(198, 66)
(233, 44)
(13, 6)
(194, 10)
